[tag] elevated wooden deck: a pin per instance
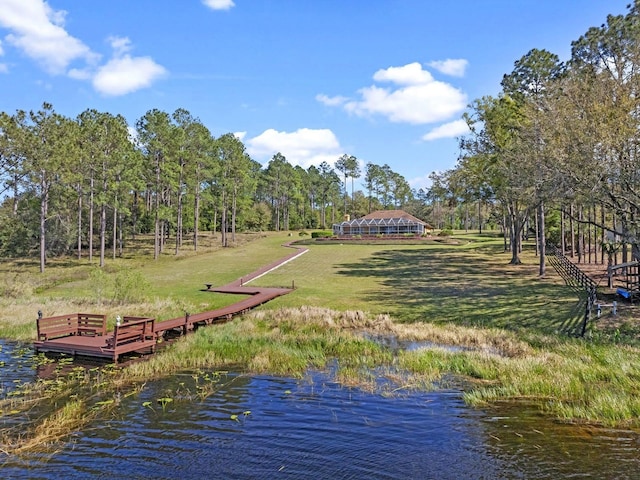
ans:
(86, 335)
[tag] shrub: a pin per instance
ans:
(445, 232)
(322, 234)
(122, 286)
(14, 286)
(99, 283)
(130, 286)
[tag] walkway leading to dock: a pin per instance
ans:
(85, 334)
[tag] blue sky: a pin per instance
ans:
(384, 80)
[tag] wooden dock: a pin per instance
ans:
(86, 334)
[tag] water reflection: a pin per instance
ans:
(16, 366)
(264, 427)
(531, 443)
(294, 429)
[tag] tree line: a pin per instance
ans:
(88, 184)
(556, 153)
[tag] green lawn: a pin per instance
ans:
(470, 284)
(467, 281)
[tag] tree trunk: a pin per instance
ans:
(115, 232)
(517, 224)
(16, 197)
(196, 214)
(91, 212)
(156, 240)
(543, 240)
(580, 235)
(179, 216)
(134, 215)
(120, 237)
(103, 228)
(345, 195)
(44, 208)
(602, 235)
(589, 240)
(537, 229)
(573, 231)
(615, 252)
(234, 208)
(79, 223)
(353, 200)
(223, 221)
(563, 240)
(505, 234)
(515, 246)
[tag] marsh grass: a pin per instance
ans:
(39, 415)
(572, 379)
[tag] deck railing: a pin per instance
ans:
(577, 279)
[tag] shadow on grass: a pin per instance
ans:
(471, 287)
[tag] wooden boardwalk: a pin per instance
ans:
(86, 335)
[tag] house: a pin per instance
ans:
(382, 222)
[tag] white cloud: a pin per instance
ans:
(120, 45)
(448, 130)
(38, 31)
(454, 67)
(219, 4)
(331, 101)
(4, 68)
(126, 74)
(123, 73)
(411, 74)
(304, 147)
(423, 182)
(240, 135)
(415, 98)
(80, 74)
(133, 134)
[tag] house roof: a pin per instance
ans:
(386, 217)
(390, 214)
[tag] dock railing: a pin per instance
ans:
(72, 324)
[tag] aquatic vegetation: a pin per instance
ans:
(163, 402)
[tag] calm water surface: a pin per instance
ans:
(254, 427)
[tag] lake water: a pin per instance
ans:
(254, 427)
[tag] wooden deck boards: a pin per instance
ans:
(105, 346)
(77, 345)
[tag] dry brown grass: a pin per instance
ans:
(495, 341)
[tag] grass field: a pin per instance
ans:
(468, 282)
(517, 329)
(137, 285)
